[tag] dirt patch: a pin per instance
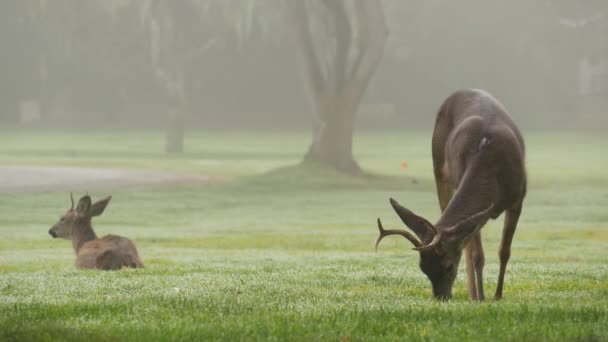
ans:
(17, 179)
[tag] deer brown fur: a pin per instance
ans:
(479, 164)
(110, 252)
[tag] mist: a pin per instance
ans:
(280, 170)
(235, 64)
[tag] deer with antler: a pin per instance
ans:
(110, 252)
(478, 159)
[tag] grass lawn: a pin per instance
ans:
(285, 253)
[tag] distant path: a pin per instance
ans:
(16, 179)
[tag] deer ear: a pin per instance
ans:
(84, 206)
(467, 227)
(419, 225)
(98, 207)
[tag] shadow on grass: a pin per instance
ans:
(315, 177)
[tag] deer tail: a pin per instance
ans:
(484, 143)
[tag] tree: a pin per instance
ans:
(340, 44)
(172, 26)
(19, 57)
(167, 46)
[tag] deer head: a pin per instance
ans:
(440, 248)
(75, 217)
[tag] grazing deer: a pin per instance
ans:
(111, 252)
(478, 158)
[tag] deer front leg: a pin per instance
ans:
(504, 253)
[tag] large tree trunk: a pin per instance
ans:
(167, 58)
(175, 131)
(338, 66)
(332, 143)
(177, 108)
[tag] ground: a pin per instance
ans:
(279, 252)
(16, 179)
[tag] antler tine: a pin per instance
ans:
(387, 232)
(72, 199)
(454, 230)
(479, 215)
(469, 225)
(430, 246)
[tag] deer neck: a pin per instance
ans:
(81, 234)
(475, 193)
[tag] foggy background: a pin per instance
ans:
(117, 63)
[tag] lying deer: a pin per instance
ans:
(111, 252)
(478, 158)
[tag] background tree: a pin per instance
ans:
(341, 44)
(167, 24)
(180, 33)
(17, 39)
(90, 63)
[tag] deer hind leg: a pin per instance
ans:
(479, 260)
(504, 253)
(108, 260)
(471, 286)
(444, 190)
(444, 193)
(475, 261)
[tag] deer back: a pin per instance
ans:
(108, 253)
(479, 151)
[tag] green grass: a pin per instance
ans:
(284, 253)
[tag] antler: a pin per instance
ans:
(388, 232)
(72, 199)
(459, 231)
(469, 225)
(431, 245)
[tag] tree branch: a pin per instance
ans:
(304, 41)
(343, 39)
(373, 33)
